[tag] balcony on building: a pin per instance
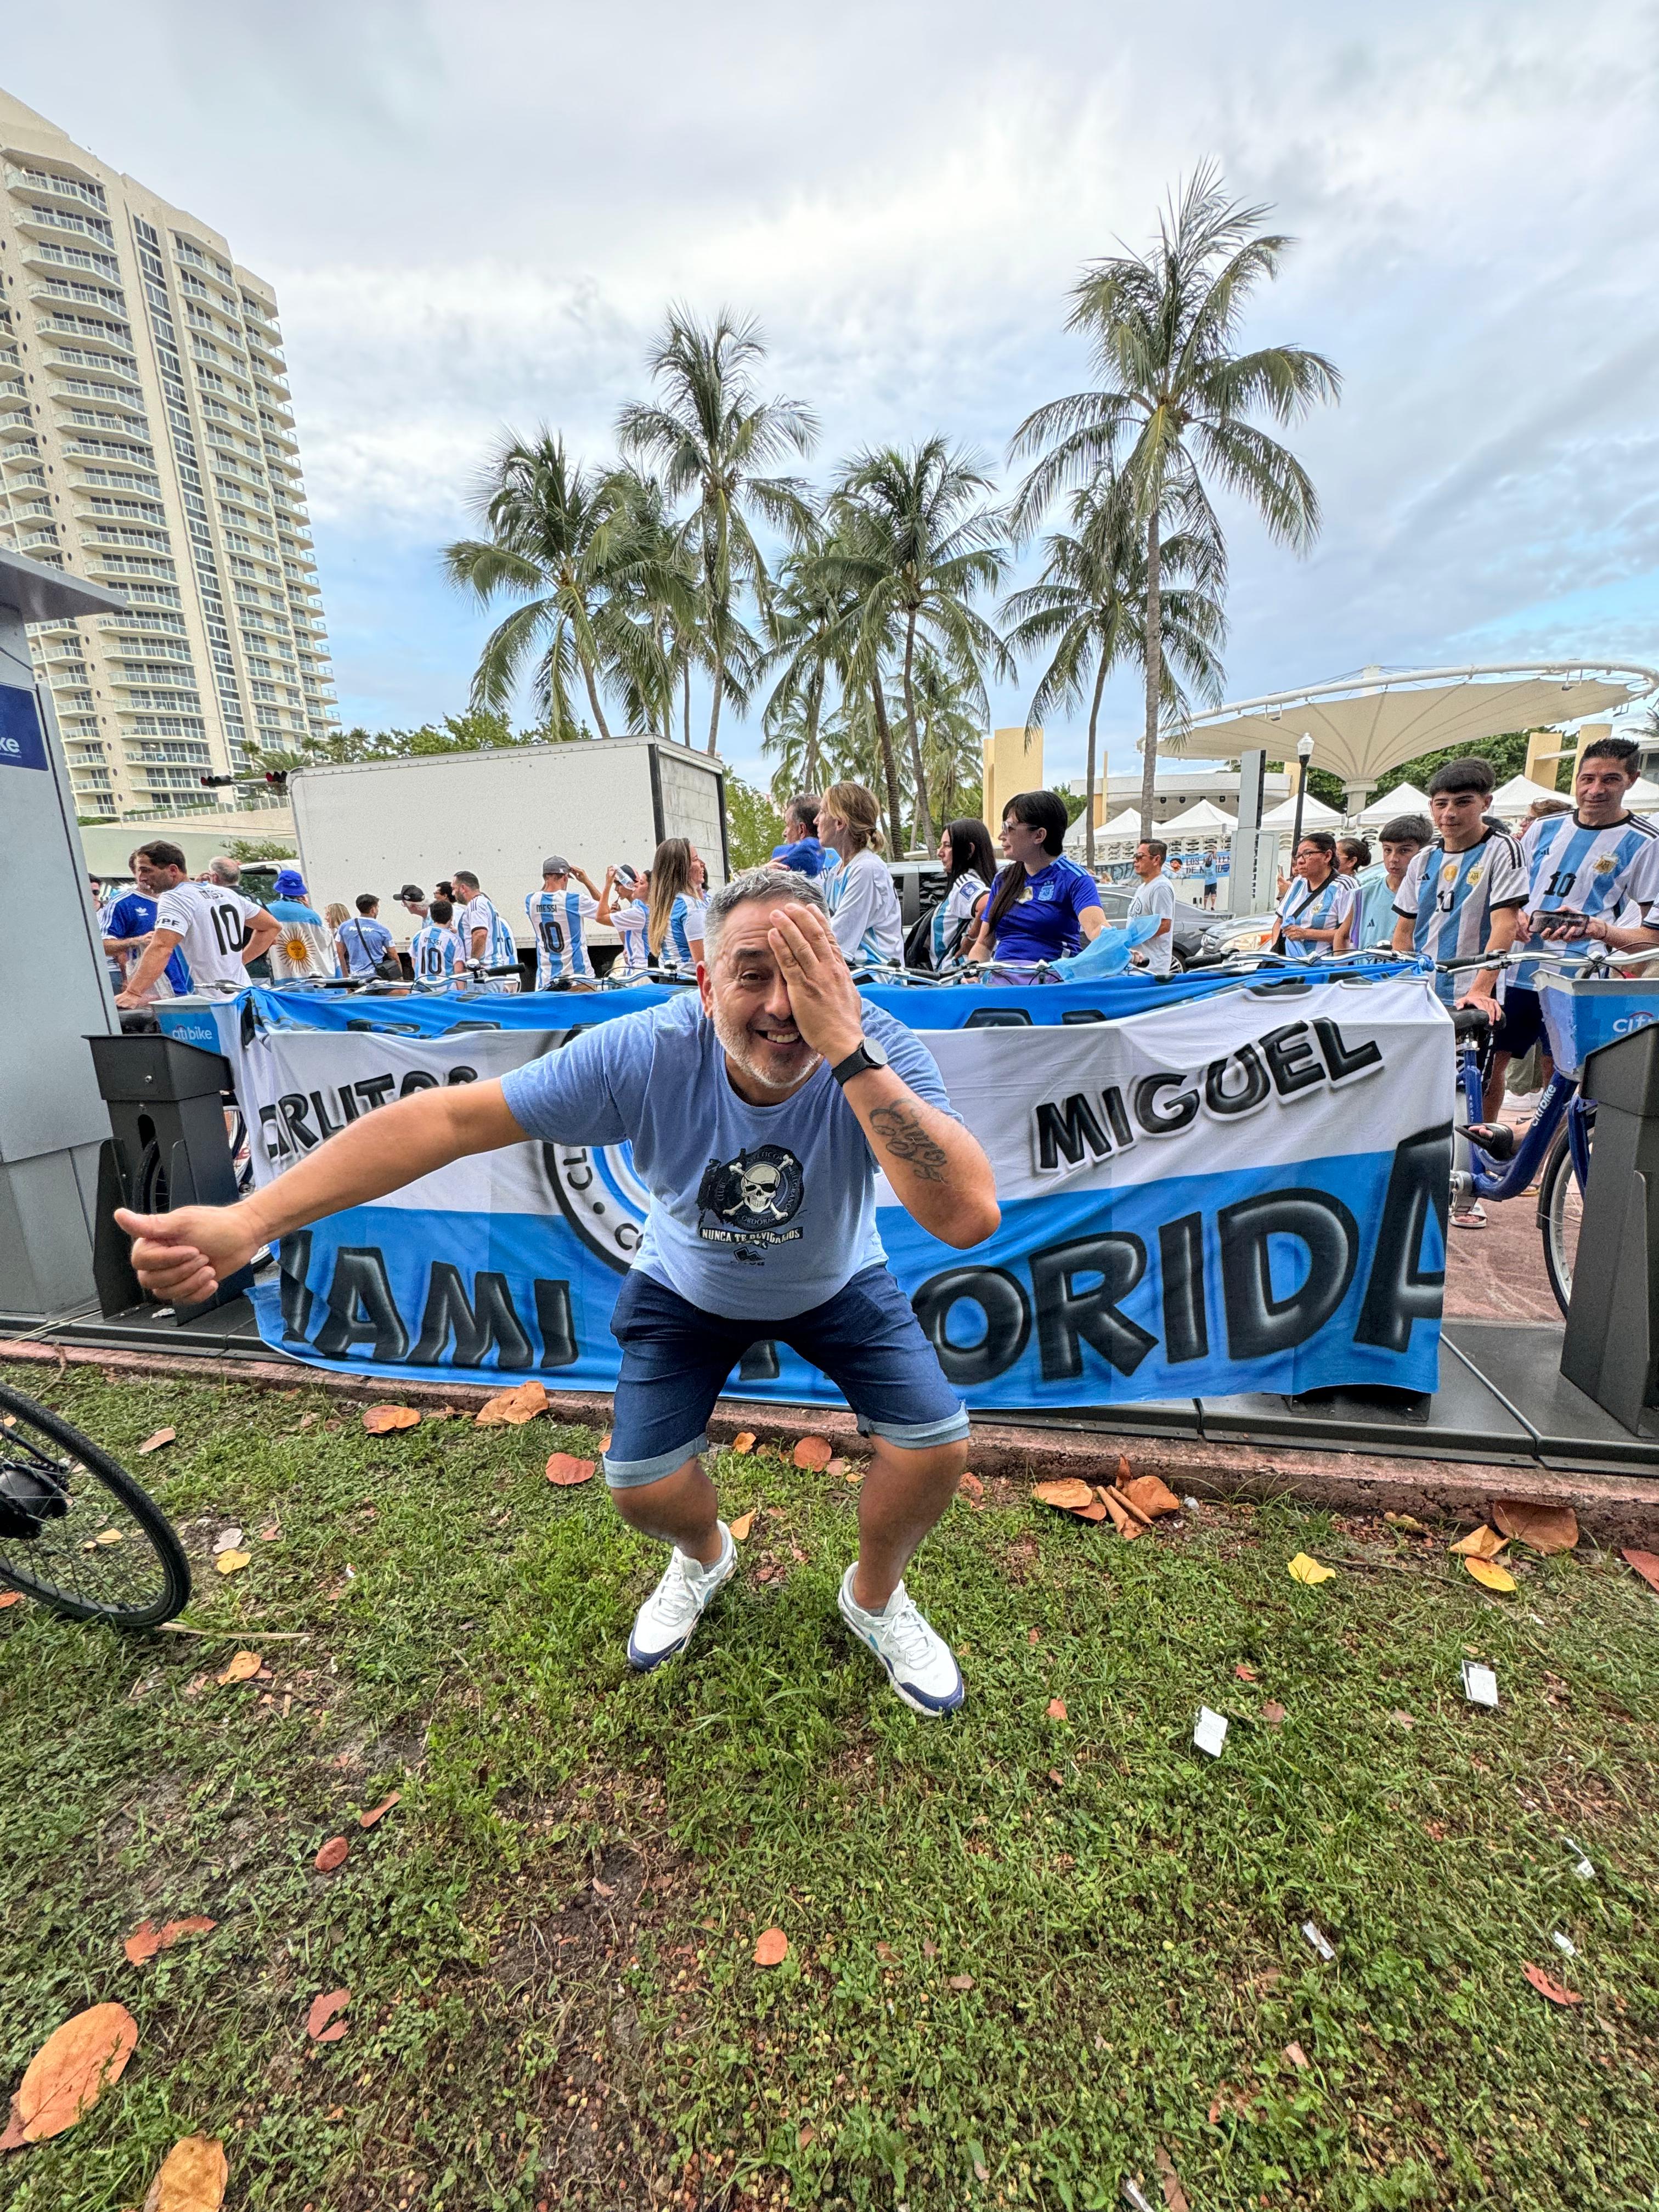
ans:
(24, 177)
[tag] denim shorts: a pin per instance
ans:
(676, 1360)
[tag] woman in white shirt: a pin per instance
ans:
(969, 865)
(864, 908)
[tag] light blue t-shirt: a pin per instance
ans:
(364, 942)
(756, 1211)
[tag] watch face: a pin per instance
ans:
(875, 1053)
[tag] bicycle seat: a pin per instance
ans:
(1469, 1022)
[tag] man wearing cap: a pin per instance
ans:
(557, 913)
(302, 951)
(622, 907)
(415, 903)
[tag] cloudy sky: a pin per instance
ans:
(474, 216)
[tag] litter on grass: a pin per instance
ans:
(1564, 1944)
(1480, 1684)
(1134, 2197)
(1210, 1732)
(1319, 1941)
(228, 1540)
(1583, 1867)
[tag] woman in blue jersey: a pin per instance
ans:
(1043, 906)
(965, 855)
(674, 931)
(1317, 900)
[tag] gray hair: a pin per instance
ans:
(781, 886)
(223, 870)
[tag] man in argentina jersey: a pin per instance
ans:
(434, 951)
(485, 936)
(1462, 895)
(622, 908)
(557, 913)
(1584, 867)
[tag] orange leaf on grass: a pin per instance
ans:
(15, 1597)
(741, 1527)
(1546, 1986)
(155, 1442)
(332, 1855)
(771, 1948)
(1245, 1673)
(1489, 1575)
(1273, 1714)
(381, 1420)
(242, 1668)
(1175, 2196)
(70, 2072)
(231, 1563)
(1122, 1497)
(1122, 1472)
(322, 2012)
(1122, 1520)
(1095, 1512)
(744, 1441)
(1150, 1496)
(1646, 1564)
(1481, 1543)
(960, 1982)
(1069, 1495)
(1545, 1529)
(192, 2178)
(511, 1408)
(814, 1452)
(971, 1486)
(566, 1472)
(146, 1939)
(1057, 1709)
(378, 1812)
(605, 1440)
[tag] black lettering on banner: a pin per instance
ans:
(1007, 1322)
(1067, 1130)
(1180, 1266)
(462, 1075)
(292, 1106)
(270, 1131)
(1162, 1121)
(760, 1362)
(486, 1318)
(1399, 1290)
(325, 1127)
(293, 1259)
(1065, 1315)
(1255, 1091)
(1112, 1099)
(361, 1283)
(348, 1098)
(1290, 1060)
(553, 1320)
(1343, 1060)
(417, 1079)
(374, 1090)
(1259, 1324)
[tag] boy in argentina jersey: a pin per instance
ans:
(1584, 866)
(622, 908)
(1462, 895)
(557, 913)
(434, 951)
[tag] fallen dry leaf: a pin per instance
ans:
(232, 1563)
(193, 2178)
(1402, 1718)
(146, 1939)
(1273, 1714)
(1302, 1569)
(1481, 1543)
(744, 1441)
(333, 1854)
(70, 2072)
(1057, 1709)
(804, 2135)
(566, 1472)
(1122, 1520)
(1069, 1495)
(604, 1888)
(1122, 1472)
(1488, 1576)
(960, 1982)
(1646, 1564)
(771, 1948)
(837, 1468)
(306, 1421)
(323, 2010)
(1546, 1986)
(1175, 2196)
(1542, 1527)
(155, 1442)
(605, 1442)
(15, 1597)
(1298, 2056)
(513, 1408)
(741, 1527)
(378, 1812)
(971, 1486)
(1032, 1636)
(1152, 1496)
(1122, 1497)
(242, 1668)
(381, 1420)
(1244, 1674)
(1095, 1512)
(814, 1451)
(331, 1426)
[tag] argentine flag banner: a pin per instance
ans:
(1209, 1185)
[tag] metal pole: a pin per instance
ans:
(1304, 753)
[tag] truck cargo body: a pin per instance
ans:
(599, 802)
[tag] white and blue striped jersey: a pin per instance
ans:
(555, 923)
(1449, 899)
(1576, 869)
(1325, 909)
(628, 920)
(684, 924)
(499, 948)
(434, 953)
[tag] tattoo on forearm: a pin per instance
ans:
(903, 1137)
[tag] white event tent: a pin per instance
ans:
(1205, 820)
(1315, 815)
(1404, 798)
(1511, 801)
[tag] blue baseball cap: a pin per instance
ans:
(290, 884)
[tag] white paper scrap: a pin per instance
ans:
(1480, 1684)
(1210, 1732)
(228, 1540)
(1191, 1504)
(1321, 1943)
(1133, 2197)
(1564, 1945)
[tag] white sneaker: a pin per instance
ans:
(664, 1623)
(919, 1663)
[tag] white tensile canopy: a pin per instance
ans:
(1123, 828)
(1511, 801)
(1315, 815)
(1404, 798)
(1202, 819)
(1365, 724)
(1644, 796)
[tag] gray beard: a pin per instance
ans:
(736, 1044)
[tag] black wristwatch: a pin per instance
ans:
(868, 1054)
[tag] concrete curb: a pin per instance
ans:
(1614, 1510)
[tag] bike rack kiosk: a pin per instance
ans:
(167, 1112)
(1611, 1350)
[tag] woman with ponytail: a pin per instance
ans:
(674, 925)
(864, 908)
(1043, 906)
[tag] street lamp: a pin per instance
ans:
(1304, 753)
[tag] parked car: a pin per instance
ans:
(1192, 948)
(1235, 936)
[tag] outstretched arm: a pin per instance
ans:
(937, 1171)
(181, 1256)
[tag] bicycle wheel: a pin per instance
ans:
(1561, 1213)
(76, 1530)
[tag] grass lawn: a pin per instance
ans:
(1028, 1955)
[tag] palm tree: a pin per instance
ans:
(713, 439)
(811, 619)
(1088, 610)
(951, 713)
(567, 539)
(910, 538)
(1173, 405)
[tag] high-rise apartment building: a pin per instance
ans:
(147, 443)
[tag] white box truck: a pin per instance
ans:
(376, 826)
